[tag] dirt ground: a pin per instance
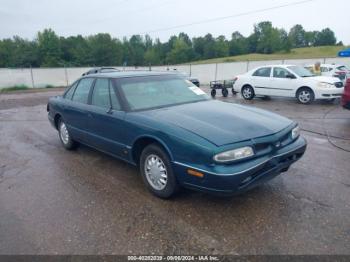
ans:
(54, 201)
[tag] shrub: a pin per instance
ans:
(14, 88)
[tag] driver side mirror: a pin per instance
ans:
(290, 76)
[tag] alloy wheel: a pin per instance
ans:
(304, 96)
(247, 92)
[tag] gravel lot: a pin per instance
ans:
(53, 201)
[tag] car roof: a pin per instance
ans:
(277, 65)
(124, 74)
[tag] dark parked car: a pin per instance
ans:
(346, 95)
(193, 80)
(101, 70)
(175, 133)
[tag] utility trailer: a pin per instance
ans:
(224, 85)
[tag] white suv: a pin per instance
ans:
(339, 71)
(287, 81)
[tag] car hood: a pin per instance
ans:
(326, 79)
(221, 123)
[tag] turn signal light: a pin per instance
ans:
(195, 173)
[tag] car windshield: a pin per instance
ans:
(159, 91)
(342, 68)
(300, 71)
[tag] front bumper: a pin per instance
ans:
(241, 177)
(328, 93)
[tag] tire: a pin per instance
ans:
(66, 140)
(248, 92)
(157, 172)
(305, 95)
(213, 93)
(233, 91)
(224, 92)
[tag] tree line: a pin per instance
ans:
(50, 50)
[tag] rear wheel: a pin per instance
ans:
(157, 173)
(248, 92)
(305, 95)
(66, 140)
(224, 92)
(213, 93)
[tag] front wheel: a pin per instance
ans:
(157, 173)
(66, 140)
(213, 93)
(305, 95)
(224, 92)
(248, 92)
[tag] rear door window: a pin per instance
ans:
(263, 72)
(104, 95)
(70, 92)
(115, 101)
(82, 91)
(101, 96)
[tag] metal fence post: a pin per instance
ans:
(216, 70)
(190, 69)
(247, 69)
(31, 75)
(66, 75)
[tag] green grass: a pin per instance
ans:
(26, 88)
(14, 88)
(297, 53)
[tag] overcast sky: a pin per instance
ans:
(126, 17)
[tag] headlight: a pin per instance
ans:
(235, 154)
(295, 132)
(325, 85)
